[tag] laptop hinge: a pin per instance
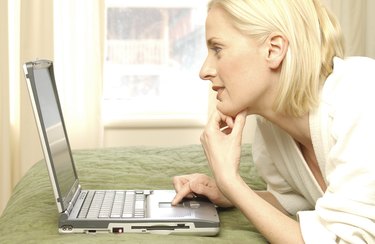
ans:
(73, 201)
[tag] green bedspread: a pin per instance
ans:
(31, 215)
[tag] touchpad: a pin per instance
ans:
(166, 209)
(192, 204)
(166, 205)
(186, 204)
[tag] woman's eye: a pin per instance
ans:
(216, 49)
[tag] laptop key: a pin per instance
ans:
(95, 205)
(86, 205)
(118, 204)
(107, 205)
(139, 208)
(128, 204)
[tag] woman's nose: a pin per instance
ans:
(207, 71)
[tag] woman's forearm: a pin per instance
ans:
(270, 198)
(270, 220)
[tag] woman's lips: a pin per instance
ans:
(219, 90)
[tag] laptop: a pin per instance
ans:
(104, 211)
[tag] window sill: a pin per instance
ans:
(155, 122)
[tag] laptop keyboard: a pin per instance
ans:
(114, 204)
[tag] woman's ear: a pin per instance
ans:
(277, 46)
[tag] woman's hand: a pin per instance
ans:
(221, 140)
(188, 185)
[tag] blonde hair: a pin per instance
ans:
(314, 37)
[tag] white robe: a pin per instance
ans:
(343, 133)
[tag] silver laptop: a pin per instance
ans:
(113, 211)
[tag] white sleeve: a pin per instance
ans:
(333, 222)
(313, 231)
(348, 206)
(347, 209)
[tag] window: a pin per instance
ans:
(154, 50)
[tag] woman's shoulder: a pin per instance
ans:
(350, 67)
(348, 94)
(353, 65)
(352, 77)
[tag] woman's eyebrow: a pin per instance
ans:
(210, 42)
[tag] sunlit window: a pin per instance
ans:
(154, 50)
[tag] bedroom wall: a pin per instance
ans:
(115, 137)
(357, 20)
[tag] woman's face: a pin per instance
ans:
(236, 66)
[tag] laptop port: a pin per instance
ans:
(118, 230)
(67, 228)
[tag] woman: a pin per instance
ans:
(283, 61)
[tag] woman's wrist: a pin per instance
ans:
(229, 185)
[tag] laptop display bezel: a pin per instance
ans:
(62, 201)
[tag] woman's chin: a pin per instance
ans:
(227, 112)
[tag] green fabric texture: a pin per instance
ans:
(31, 214)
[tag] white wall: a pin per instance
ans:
(151, 136)
(163, 136)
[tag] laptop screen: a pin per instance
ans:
(54, 135)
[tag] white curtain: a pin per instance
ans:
(5, 157)
(78, 41)
(70, 33)
(26, 33)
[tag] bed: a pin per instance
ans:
(31, 214)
